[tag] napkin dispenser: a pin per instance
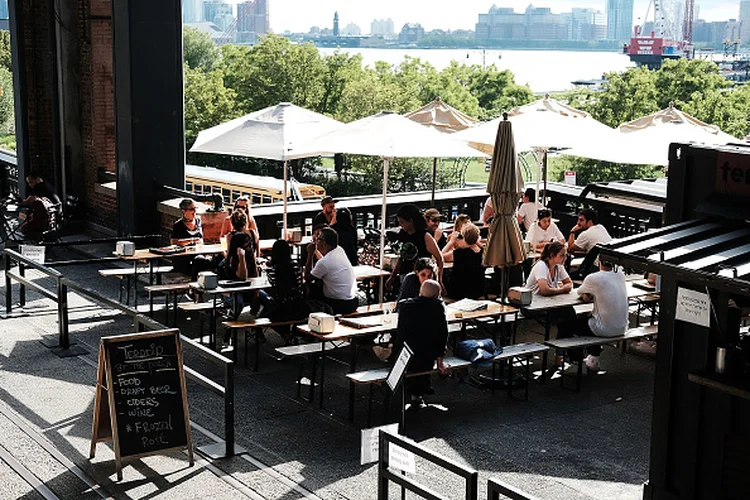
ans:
(321, 322)
(126, 248)
(520, 296)
(294, 235)
(208, 280)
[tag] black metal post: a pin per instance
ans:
(62, 313)
(8, 284)
(383, 467)
(22, 287)
(229, 408)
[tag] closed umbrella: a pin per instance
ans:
(273, 133)
(505, 244)
(444, 118)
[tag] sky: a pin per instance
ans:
(300, 15)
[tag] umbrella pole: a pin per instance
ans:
(434, 181)
(538, 168)
(544, 170)
(383, 220)
(286, 195)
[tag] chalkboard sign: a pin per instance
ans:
(140, 398)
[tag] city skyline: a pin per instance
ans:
(301, 15)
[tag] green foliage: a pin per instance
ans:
(588, 171)
(7, 116)
(678, 81)
(5, 54)
(198, 49)
(207, 102)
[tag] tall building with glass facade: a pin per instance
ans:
(619, 20)
(192, 11)
(252, 20)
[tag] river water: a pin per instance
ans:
(542, 70)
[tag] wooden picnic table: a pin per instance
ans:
(546, 306)
(354, 335)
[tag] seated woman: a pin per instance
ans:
(241, 203)
(347, 234)
(188, 230)
(285, 301)
(432, 217)
(467, 275)
(240, 263)
(455, 240)
(544, 231)
(548, 276)
(424, 269)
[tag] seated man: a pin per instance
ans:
(610, 315)
(335, 271)
(44, 205)
(585, 236)
(423, 327)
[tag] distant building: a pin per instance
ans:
(219, 13)
(191, 11)
(351, 29)
(252, 20)
(716, 33)
(503, 23)
(745, 21)
(335, 24)
(382, 27)
(619, 20)
(4, 9)
(411, 33)
(219, 36)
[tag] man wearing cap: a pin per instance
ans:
(327, 216)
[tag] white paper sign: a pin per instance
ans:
(570, 178)
(33, 253)
(401, 459)
(371, 442)
(693, 307)
(399, 367)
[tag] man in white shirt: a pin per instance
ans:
(610, 315)
(527, 212)
(335, 271)
(587, 233)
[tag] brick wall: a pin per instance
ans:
(98, 106)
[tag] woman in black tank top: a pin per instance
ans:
(415, 242)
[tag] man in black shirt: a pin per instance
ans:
(327, 216)
(39, 188)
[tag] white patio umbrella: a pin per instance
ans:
(273, 133)
(387, 135)
(444, 118)
(540, 126)
(646, 141)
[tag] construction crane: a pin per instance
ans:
(687, 23)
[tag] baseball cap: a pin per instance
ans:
(326, 200)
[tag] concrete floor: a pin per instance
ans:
(558, 445)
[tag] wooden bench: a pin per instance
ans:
(126, 274)
(510, 353)
(201, 308)
(255, 328)
(174, 290)
(377, 376)
(637, 333)
(305, 351)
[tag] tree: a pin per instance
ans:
(678, 81)
(198, 49)
(207, 102)
(627, 96)
(7, 116)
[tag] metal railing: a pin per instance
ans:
(140, 322)
(60, 297)
(386, 475)
(496, 488)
